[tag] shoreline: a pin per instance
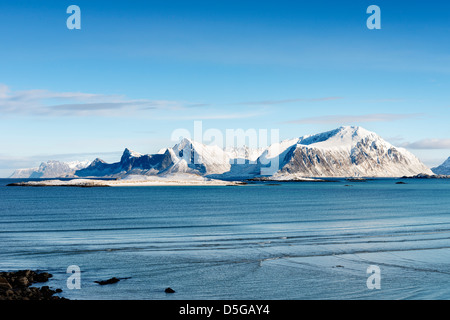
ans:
(88, 183)
(137, 181)
(17, 285)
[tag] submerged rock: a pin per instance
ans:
(169, 290)
(356, 179)
(109, 281)
(427, 176)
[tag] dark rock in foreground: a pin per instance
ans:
(16, 286)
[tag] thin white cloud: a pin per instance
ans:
(344, 119)
(428, 144)
(229, 116)
(383, 100)
(284, 101)
(44, 102)
(222, 116)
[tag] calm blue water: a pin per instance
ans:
(286, 241)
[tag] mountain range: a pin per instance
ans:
(343, 152)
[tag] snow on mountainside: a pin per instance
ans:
(349, 152)
(443, 168)
(343, 152)
(196, 157)
(51, 169)
(24, 173)
(244, 154)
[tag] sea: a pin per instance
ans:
(361, 239)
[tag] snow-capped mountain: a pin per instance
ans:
(348, 152)
(191, 156)
(51, 169)
(443, 168)
(343, 152)
(130, 163)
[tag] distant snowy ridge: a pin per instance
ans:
(51, 169)
(343, 152)
(443, 168)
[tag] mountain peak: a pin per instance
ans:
(96, 161)
(127, 153)
(354, 131)
(344, 136)
(183, 143)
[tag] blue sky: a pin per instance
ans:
(137, 70)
